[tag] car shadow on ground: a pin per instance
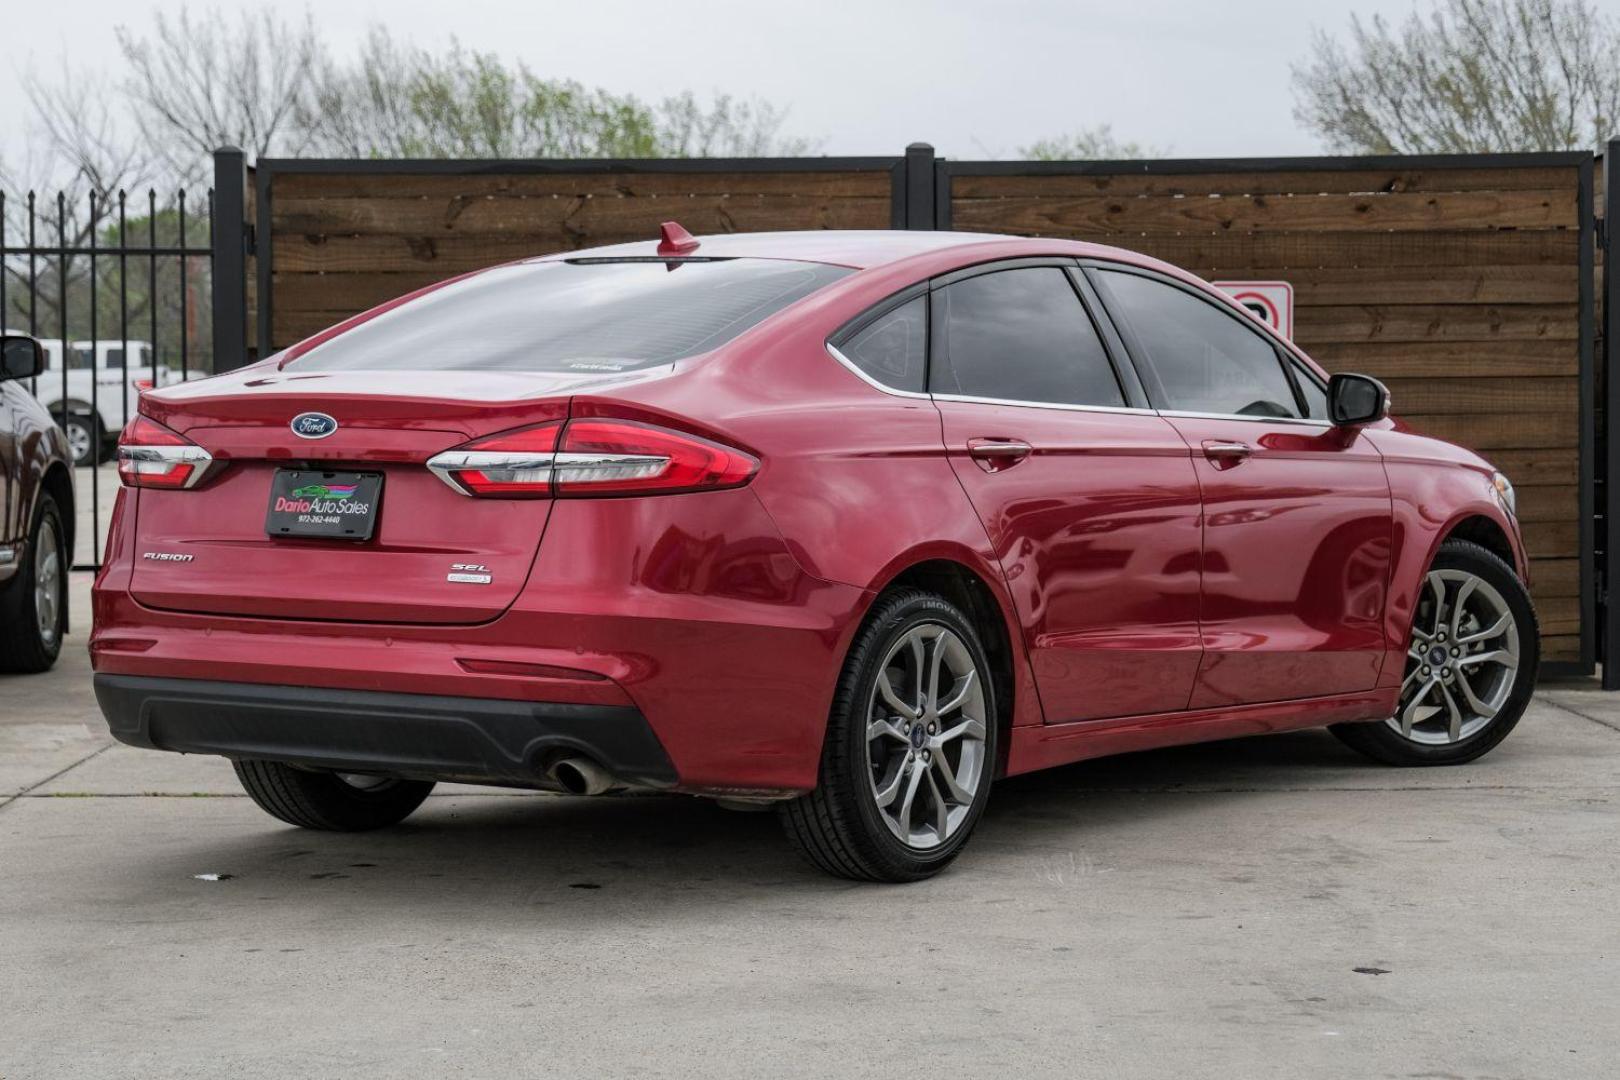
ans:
(643, 851)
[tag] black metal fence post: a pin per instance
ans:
(1609, 655)
(230, 244)
(919, 186)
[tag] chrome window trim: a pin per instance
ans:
(1301, 421)
(1054, 405)
(864, 377)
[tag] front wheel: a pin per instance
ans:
(334, 802)
(910, 747)
(33, 604)
(1470, 665)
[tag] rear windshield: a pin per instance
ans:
(574, 317)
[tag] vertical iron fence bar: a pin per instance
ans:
(95, 400)
(151, 276)
(33, 288)
(5, 312)
(61, 305)
(213, 288)
(123, 296)
(185, 328)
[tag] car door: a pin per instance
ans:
(1089, 498)
(1297, 515)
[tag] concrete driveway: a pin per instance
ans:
(1272, 907)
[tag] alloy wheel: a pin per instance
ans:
(1462, 663)
(48, 583)
(79, 439)
(925, 736)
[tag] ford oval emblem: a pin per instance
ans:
(313, 425)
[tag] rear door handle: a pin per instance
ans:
(1226, 454)
(993, 455)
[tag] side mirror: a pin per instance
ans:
(20, 357)
(1354, 400)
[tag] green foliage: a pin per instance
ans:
(1474, 76)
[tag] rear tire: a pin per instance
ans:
(326, 801)
(33, 604)
(1472, 684)
(906, 765)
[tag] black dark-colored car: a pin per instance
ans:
(36, 516)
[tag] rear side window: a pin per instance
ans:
(1021, 335)
(574, 318)
(1206, 360)
(893, 348)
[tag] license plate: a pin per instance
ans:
(313, 502)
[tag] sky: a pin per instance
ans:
(976, 78)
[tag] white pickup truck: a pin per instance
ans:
(97, 403)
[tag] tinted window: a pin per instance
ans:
(893, 349)
(1206, 359)
(115, 358)
(574, 317)
(1021, 335)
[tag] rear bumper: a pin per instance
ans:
(413, 735)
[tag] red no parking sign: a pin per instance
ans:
(1272, 302)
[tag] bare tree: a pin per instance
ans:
(1088, 144)
(198, 82)
(397, 100)
(1473, 76)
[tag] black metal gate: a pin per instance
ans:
(119, 289)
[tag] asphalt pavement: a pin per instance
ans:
(1269, 907)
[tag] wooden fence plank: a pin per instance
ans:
(1104, 215)
(1224, 254)
(1472, 396)
(1449, 359)
(1282, 182)
(1502, 284)
(1430, 322)
(1493, 431)
(644, 185)
(583, 221)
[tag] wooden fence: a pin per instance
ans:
(1466, 283)
(1463, 283)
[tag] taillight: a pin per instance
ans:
(142, 385)
(591, 458)
(152, 456)
(622, 457)
(512, 465)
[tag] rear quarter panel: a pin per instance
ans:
(856, 480)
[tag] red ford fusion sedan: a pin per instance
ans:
(851, 524)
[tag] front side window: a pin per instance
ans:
(1020, 335)
(893, 348)
(1207, 360)
(574, 318)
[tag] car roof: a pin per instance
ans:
(860, 249)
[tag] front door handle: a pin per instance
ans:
(1226, 454)
(994, 455)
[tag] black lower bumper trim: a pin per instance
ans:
(413, 735)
